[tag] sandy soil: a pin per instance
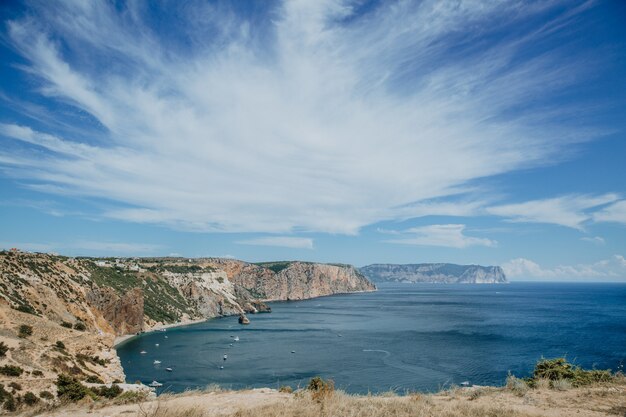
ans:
(597, 401)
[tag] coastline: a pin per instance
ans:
(123, 338)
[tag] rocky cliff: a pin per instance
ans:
(435, 273)
(84, 303)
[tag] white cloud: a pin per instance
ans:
(299, 125)
(569, 210)
(596, 240)
(446, 235)
(280, 241)
(613, 268)
(615, 213)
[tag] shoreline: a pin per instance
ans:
(124, 338)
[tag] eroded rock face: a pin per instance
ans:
(124, 313)
(296, 281)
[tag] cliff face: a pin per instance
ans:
(435, 273)
(84, 303)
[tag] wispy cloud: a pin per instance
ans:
(570, 210)
(85, 247)
(615, 213)
(445, 235)
(596, 240)
(280, 241)
(322, 120)
(613, 268)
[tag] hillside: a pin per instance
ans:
(435, 273)
(75, 307)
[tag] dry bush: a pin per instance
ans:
(561, 385)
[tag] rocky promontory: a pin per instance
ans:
(435, 273)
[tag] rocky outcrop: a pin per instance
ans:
(293, 280)
(435, 273)
(124, 313)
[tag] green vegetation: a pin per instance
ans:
(66, 324)
(108, 392)
(559, 369)
(25, 331)
(36, 372)
(92, 379)
(59, 344)
(275, 266)
(558, 374)
(3, 349)
(46, 395)
(69, 388)
(286, 389)
(11, 370)
(7, 400)
(79, 325)
(15, 386)
(30, 398)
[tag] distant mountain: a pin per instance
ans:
(435, 273)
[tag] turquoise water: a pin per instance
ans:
(403, 337)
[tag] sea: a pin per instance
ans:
(402, 338)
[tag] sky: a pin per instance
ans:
(466, 131)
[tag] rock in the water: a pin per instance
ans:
(243, 319)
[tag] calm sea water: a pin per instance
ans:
(403, 337)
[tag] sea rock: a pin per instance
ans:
(243, 319)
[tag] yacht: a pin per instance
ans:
(156, 362)
(155, 384)
(169, 369)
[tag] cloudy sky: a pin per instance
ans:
(463, 131)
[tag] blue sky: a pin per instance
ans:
(334, 131)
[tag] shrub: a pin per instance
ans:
(93, 379)
(321, 389)
(130, 397)
(36, 372)
(285, 388)
(46, 395)
(70, 388)
(80, 326)
(30, 398)
(517, 385)
(66, 324)
(559, 369)
(60, 344)
(15, 386)
(3, 349)
(109, 392)
(9, 403)
(10, 370)
(25, 330)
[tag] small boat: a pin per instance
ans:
(143, 352)
(225, 356)
(169, 369)
(231, 345)
(221, 367)
(236, 339)
(162, 330)
(293, 351)
(156, 362)
(465, 384)
(156, 344)
(155, 384)
(166, 337)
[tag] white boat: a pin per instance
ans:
(465, 384)
(293, 351)
(156, 362)
(221, 367)
(143, 352)
(169, 369)
(156, 344)
(166, 337)
(225, 356)
(155, 384)
(236, 339)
